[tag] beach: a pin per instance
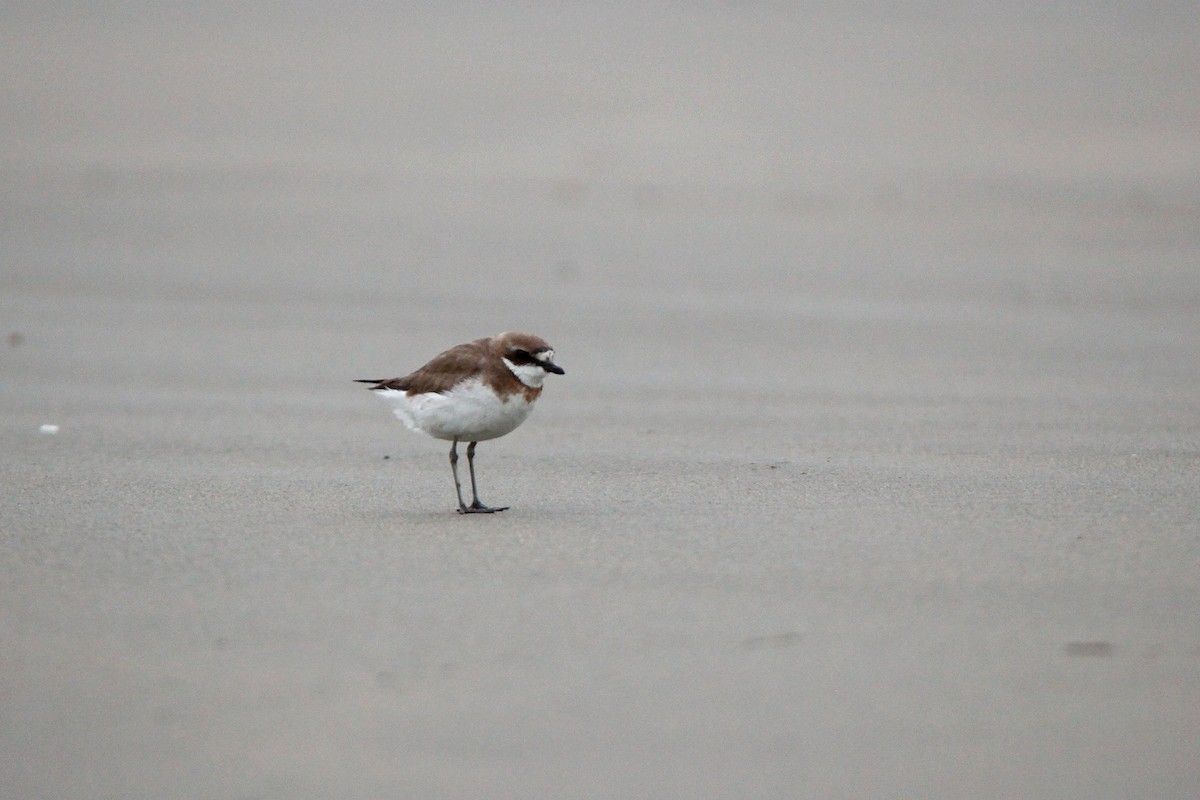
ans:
(872, 473)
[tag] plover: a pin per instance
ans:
(472, 392)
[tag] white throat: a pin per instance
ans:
(529, 374)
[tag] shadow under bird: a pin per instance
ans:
(473, 392)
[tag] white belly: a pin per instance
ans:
(470, 412)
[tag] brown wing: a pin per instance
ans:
(443, 371)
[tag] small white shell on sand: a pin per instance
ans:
(48, 429)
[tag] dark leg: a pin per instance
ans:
(476, 507)
(462, 508)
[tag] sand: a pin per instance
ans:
(866, 479)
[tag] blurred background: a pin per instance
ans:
(374, 152)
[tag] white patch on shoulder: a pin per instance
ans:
(532, 375)
(470, 412)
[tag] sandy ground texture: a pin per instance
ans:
(873, 474)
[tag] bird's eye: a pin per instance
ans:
(521, 356)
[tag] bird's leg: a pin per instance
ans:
(476, 507)
(462, 508)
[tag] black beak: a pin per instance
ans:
(550, 366)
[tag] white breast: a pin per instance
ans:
(470, 412)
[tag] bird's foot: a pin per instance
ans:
(477, 507)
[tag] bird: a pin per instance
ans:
(472, 392)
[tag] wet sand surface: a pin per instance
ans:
(873, 473)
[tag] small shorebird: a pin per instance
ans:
(472, 392)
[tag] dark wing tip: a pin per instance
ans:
(384, 383)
